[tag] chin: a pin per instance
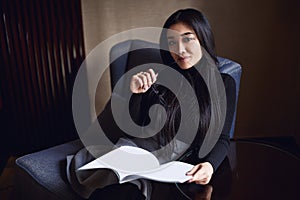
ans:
(184, 66)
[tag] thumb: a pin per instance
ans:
(193, 170)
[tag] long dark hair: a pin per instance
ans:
(195, 20)
(198, 22)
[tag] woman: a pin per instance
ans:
(184, 34)
(185, 39)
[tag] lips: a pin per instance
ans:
(184, 59)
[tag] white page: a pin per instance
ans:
(95, 164)
(170, 172)
(126, 159)
(132, 163)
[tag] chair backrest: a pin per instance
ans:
(131, 53)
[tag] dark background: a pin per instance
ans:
(41, 51)
(44, 42)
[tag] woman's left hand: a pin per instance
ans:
(201, 173)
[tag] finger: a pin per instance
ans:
(193, 170)
(201, 178)
(152, 74)
(198, 176)
(136, 83)
(203, 181)
(139, 82)
(144, 80)
(149, 79)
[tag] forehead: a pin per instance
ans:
(179, 29)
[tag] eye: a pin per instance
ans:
(171, 42)
(187, 39)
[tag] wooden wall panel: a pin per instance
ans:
(41, 51)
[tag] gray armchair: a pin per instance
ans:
(41, 175)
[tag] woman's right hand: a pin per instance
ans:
(142, 81)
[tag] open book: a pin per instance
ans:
(130, 163)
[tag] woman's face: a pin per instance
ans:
(184, 45)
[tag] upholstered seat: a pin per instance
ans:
(41, 175)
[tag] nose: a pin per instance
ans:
(181, 48)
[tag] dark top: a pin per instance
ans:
(140, 104)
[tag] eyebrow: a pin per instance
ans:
(187, 33)
(183, 34)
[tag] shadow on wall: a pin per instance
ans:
(264, 37)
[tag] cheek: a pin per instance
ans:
(194, 48)
(200, 53)
(196, 51)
